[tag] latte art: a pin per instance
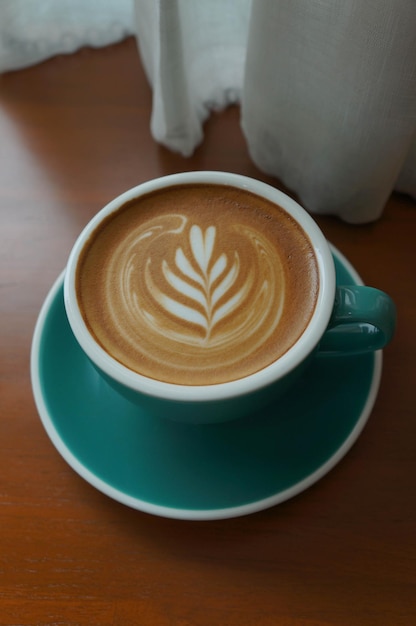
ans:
(190, 286)
(205, 289)
(203, 282)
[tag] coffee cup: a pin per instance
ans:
(203, 296)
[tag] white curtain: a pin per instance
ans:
(327, 87)
(33, 30)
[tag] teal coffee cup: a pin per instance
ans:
(203, 296)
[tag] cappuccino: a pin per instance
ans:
(197, 284)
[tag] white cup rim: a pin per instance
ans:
(202, 393)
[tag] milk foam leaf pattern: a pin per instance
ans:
(233, 303)
(204, 284)
(227, 308)
(218, 268)
(202, 245)
(186, 268)
(227, 282)
(182, 286)
(184, 312)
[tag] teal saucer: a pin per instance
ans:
(197, 472)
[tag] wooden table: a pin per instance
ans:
(74, 132)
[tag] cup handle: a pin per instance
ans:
(363, 320)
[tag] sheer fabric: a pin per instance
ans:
(327, 87)
(33, 30)
(327, 90)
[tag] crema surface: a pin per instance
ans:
(197, 284)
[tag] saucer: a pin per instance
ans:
(202, 472)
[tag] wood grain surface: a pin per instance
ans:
(74, 133)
